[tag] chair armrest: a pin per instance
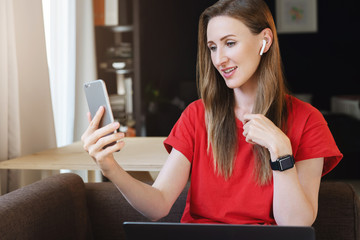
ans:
(339, 212)
(53, 208)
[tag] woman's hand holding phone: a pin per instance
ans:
(102, 142)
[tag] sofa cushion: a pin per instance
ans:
(338, 214)
(108, 209)
(53, 208)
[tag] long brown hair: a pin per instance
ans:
(219, 100)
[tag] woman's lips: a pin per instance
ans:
(228, 72)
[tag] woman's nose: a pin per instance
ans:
(221, 59)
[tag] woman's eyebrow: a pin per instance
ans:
(229, 35)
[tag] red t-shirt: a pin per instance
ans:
(240, 200)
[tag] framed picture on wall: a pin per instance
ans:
(296, 16)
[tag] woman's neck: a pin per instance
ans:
(245, 99)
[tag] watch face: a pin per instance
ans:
(286, 163)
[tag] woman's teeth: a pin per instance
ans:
(230, 70)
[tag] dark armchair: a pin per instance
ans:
(63, 207)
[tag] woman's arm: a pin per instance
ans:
(296, 193)
(295, 190)
(154, 201)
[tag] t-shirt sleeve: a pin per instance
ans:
(182, 134)
(317, 141)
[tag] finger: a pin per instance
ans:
(102, 132)
(111, 149)
(97, 118)
(250, 132)
(248, 117)
(94, 123)
(248, 138)
(245, 132)
(250, 141)
(107, 130)
(106, 145)
(110, 140)
(88, 117)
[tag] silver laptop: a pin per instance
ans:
(161, 231)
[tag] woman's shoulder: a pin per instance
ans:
(304, 112)
(197, 104)
(195, 107)
(298, 106)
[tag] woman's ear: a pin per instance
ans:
(266, 35)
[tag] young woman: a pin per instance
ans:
(256, 154)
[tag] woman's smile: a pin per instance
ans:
(228, 72)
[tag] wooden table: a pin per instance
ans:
(139, 154)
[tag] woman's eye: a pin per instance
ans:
(212, 48)
(230, 43)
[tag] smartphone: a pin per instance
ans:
(97, 96)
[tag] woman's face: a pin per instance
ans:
(235, 51)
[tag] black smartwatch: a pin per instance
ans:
(283, 163)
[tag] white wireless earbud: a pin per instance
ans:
(262, 48)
